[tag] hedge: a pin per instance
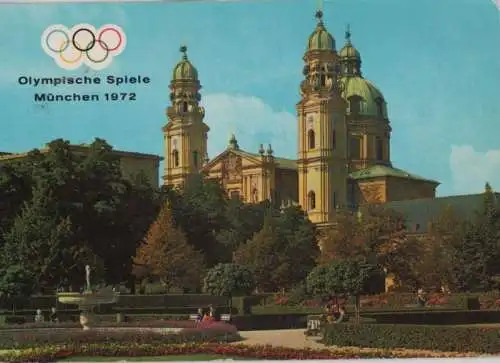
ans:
(440, 338)
(10, 321)
(449, 317)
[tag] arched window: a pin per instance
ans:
(311, 200)
(354, 105)
(196, 158)
(379, 149)
(175, 158)
(380, 107)
(311, 139)
(184, 106)
(334, 140)
(323, 80)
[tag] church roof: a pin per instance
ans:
(379, 171)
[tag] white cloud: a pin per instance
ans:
(252, 121)
(471, 169)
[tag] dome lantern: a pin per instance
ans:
(320, 39)
(184, 70)
(350, 59)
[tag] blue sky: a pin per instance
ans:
(436, 62)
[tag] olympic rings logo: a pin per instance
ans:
(83, 44)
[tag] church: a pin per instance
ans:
(343, 150)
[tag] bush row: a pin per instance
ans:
(185, 303)
(131, 301)
(51, 353)
(441, 338)
(212, 332)
(389, 301)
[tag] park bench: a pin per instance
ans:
(224, 317)
(314, 325)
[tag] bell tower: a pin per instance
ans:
(322, 130)
(185, 134)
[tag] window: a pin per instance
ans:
(184, 106)
(380, 107)
(334, 140)
(196, 158)
(354, 105)
(355, 148)
(335, 200)
(235, 194)
(311, 139)
(175, 158)
(379, 149)
(323, 80)
(311, 200)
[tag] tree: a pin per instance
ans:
(437, 264)
(261, 255)
(199, 210)
(228, 279)
(476, 254)
(243, 221)
(41, 242)
(166, 254)
(283, 252)
(352, 277)
(377, 235)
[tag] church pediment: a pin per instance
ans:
(232, 162)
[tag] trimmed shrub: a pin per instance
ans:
(449, 317)
(441, 338)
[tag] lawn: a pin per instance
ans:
(186, 357)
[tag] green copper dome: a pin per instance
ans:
(371, 100)
(184, 70)
(320, 39)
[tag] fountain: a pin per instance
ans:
(88, 300)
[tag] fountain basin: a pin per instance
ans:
(86, 298)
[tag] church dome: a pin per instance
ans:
(370, 100)
(320, 39)
(184, 70)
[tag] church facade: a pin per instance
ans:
(343, 152)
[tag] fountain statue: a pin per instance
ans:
(88, 299)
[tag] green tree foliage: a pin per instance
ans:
(377, 235)
(283, 252)
(199, 210)
(353, 277)
(243, 221)
(108, 215)
(39, 241)
(476, 254)
(166, 255)
(228, 279)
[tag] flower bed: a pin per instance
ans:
(48, 354)
(211, 332)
